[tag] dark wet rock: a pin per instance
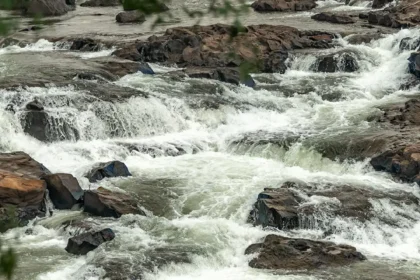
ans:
(146, 69)
(228, 75)
(64, 190)
(384, 18)
(210, 46)
(363, 15)
(21, 189)
(377, 4)
(286, 208)
(43, 127)
(278, 252)
(154, 7)
(71, 2)
(85, 45)
(283, 5)
(35, 123)
(275, 62)
(108, 170)
(411, 83)
(101, 3)
(46, 7)
(336, 62)
(414, 64)
(333, 18)
(409, 44)
(130, 17)
(34, 106)
(10, 108)
(357, 39)
(104, 203)
(86, 242)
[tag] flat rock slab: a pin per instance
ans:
(278, 252)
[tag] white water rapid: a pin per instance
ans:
(200, 152)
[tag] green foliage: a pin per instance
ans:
(8, 262)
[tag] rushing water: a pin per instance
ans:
(198, 201)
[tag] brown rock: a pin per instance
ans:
(333, 18)
(21, 190)
(283, 5)
(278, 252)
(104, 203)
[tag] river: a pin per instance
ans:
(198, 201)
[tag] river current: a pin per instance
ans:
(201, 157)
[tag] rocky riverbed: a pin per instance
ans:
(137, 153)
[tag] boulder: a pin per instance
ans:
(86, 242)
(333, 18)
(43, 127)
(108, 170)
(22, 191)
(104, 203)
(130, 17)
(283, 5)
(46, 7)
(403, 163)
(377, 4)
(336, 62)
(278, 252)
(384, 18)
(71, 2)
(64, 190)
(101, 3)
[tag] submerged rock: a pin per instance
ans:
(108, 170)
(130, 17)
(86, 242)
(104, 203)
(228, 75)
(278, 252)
(333, 18)
(64, 190)
(101, 3)
(283, 5)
